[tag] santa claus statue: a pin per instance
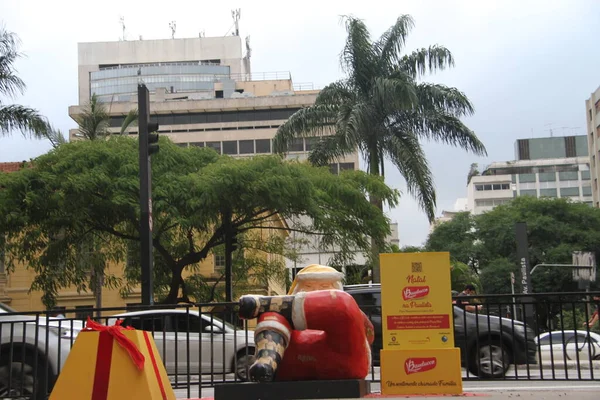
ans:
(316, 332)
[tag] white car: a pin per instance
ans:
(561, 346)
(33, 350)
(215, 347)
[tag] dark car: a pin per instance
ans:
(488, 344)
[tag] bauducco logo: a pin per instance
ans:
(414, 292)
(416, 365)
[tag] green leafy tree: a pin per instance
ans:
(556, 228)
(384, 109)
(462, 275)
(88, 191)
(13, 116)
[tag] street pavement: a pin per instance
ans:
(584, 384)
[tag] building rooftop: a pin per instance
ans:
(11, 166)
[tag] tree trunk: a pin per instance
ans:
(176, 282)
(374, 170)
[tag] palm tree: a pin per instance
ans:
(383, 109)
(95, 120)
(13, 116)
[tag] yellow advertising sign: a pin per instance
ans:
(418, 355)
(421, 372)
(416, 301)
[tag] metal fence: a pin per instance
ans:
(205, 344)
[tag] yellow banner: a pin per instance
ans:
(416, 301)
(421, 372)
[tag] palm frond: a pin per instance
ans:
(441, 127)
(27, 120)
(406, 153)
(130, 120)
(426, 60)
(391, 43)
(94, 122)
(10, 83)
(55, 136)
(449, 100)
(358, 57)
(315, 120)
(392, 94)
(336, 93)
(329, 148)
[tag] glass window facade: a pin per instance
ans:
(263, 146)
(526, 178)
(175, 77)
(230, 147)
(568, 176)
(585, 175)
(586, 190)
(212, 117)
(547, 176)
(528, 192)
(246, 146)
(569, 192)
(548, 193)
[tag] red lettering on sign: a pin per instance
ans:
(400, 322)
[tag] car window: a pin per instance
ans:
(560, 337)
(369, 302)
(189, 322)
(149, 322)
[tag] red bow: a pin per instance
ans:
(116, 331)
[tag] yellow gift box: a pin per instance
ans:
(110, 363)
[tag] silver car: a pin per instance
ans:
(194, 343)
(33, 350)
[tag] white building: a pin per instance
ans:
(544, 167)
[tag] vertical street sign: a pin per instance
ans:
(525, 273)
(145, 195)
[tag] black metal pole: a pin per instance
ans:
(228, 253)
(145, 195)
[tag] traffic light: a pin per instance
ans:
(152, 138)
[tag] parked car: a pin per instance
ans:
(33, 350)
(202, 343)
(561, 346)
(488, 344)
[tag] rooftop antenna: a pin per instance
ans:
(173, 26)
(570, 128)
(550, 129)
(202, 34)
(122, 22)
(235, 14)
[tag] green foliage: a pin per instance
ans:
(88, 191)
(13, 116)
(462, 275)
(556, 228)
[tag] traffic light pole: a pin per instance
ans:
(145, 196)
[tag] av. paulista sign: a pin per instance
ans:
(418, 355)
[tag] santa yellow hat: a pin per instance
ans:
(316, 272)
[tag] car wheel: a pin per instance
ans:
(19, 378)
(243, 361)
(489, 360)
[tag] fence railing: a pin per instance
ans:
(205, 344)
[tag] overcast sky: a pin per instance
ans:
(527, 65)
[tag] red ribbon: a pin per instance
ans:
(108, 334)
(116, 332)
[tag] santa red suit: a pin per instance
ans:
(312, 334)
